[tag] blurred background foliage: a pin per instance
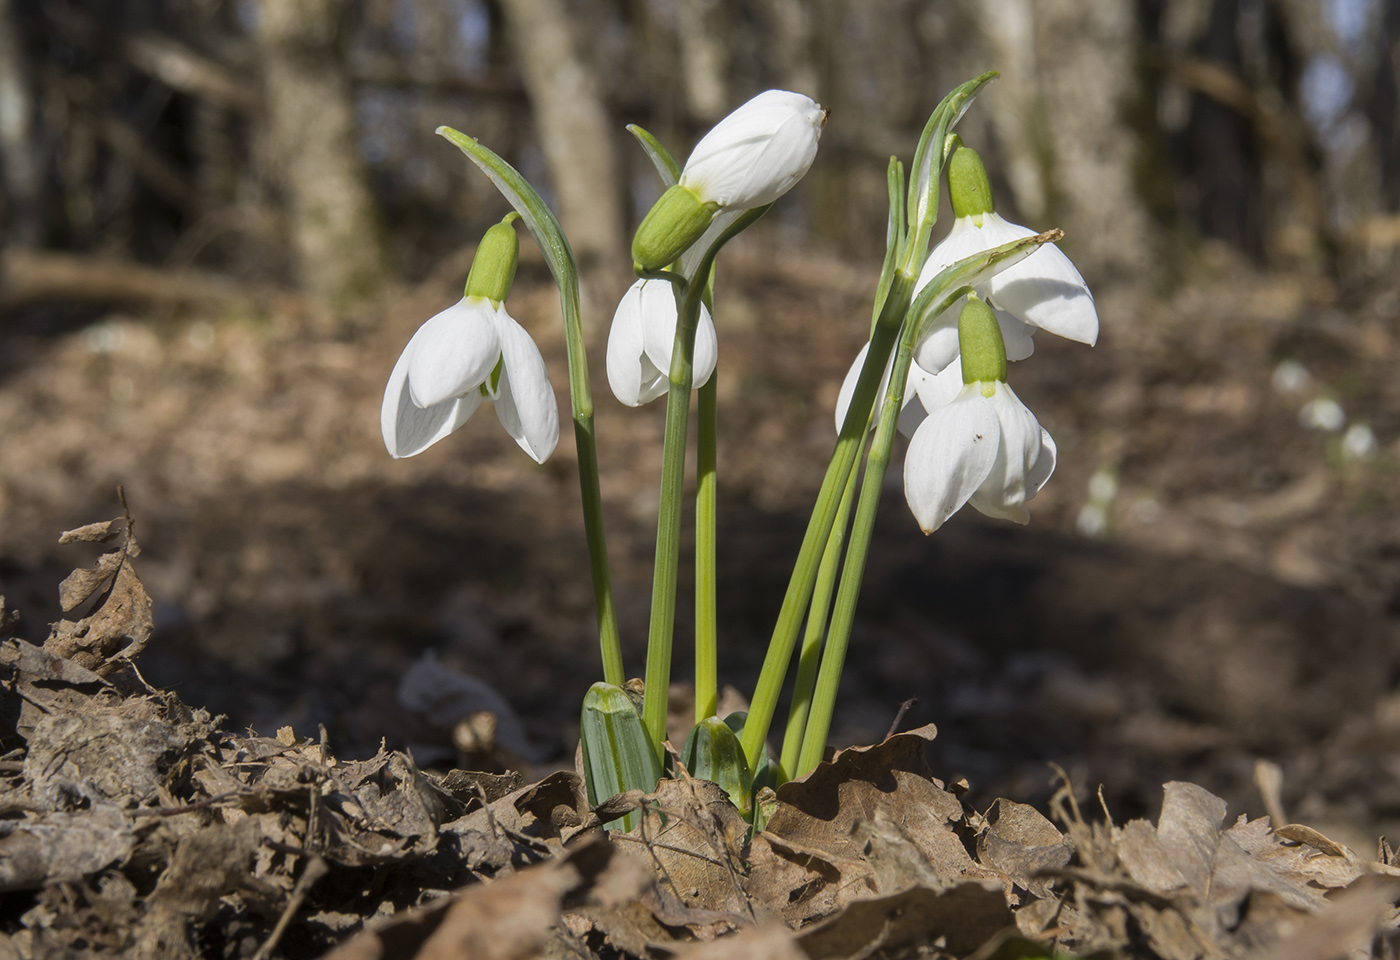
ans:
(164, 148)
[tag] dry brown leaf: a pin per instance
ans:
(960, 919)
(1021, 843)
(771, 941)
(62, 847)
(692, 835)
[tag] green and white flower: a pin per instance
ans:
(471, 352)
(641, 339)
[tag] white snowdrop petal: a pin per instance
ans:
(409, 429)
(1046, 290)
(939, 348)
(939, 389)
(1044, 465)
(948, 459)
(754, 155)
(1003, 492)
(453, 353)
(628, 368)
(1018, 337)
(524, 398)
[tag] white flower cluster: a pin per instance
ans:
(976, 442)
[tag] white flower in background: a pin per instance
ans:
(750, 159)
(1290, 376)
(471, 352)
(984, 447)
(640, 341)
(1324, 414)
(1044, 290)
(1359, 442)
(755, 155)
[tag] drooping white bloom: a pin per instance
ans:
(1044, 290)
(754, 156)
(640, 341)
(470, 352)
(984, 448)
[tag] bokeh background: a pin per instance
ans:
(222, 220)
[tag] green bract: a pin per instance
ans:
(493, 268)
(675, 222)
(981, 343)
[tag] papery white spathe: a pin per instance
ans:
(1044, 290)
(754, 156)
(448, 369)
(640, 341)
(983, 448)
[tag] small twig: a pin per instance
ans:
(899, 716)
(315, 869)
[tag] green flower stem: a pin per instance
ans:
(809, 658)
(804, 572)
(706, 606)
(689, 296)
(839, 635)
(543, 226)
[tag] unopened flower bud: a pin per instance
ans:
(981, 344)
(493, 267)
(968, 187)
(675, 222)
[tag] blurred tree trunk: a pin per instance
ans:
(19, 161)
(576, 135)
(790, 37)
(704, 57)
(1086, 53)
(313, 140)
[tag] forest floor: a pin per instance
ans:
(1208, 596)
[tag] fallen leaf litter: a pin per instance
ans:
(135, 826)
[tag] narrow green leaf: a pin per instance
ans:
(951, 282)
(617, 752)
(666, 166)
(712, 752)
(895, 237)
(928, 162)
(537, 216)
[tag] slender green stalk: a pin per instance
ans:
(690, 294)
(809, 658)
(706, 604)
(804, 572)
(839, 635)
(543, 226)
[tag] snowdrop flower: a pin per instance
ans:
(984, 448)
(751, 158)
(1043, 291)
(471, 352)
(1324, 413)
(640, 341)
(1359, 442)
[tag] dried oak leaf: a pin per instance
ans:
(62, 847)
(693, 836)
(118, 750)
(120, 625)
(1020, 843)
(771, 941)
(958, 918)
(816, 857)
(524, 826)
(514, 917)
